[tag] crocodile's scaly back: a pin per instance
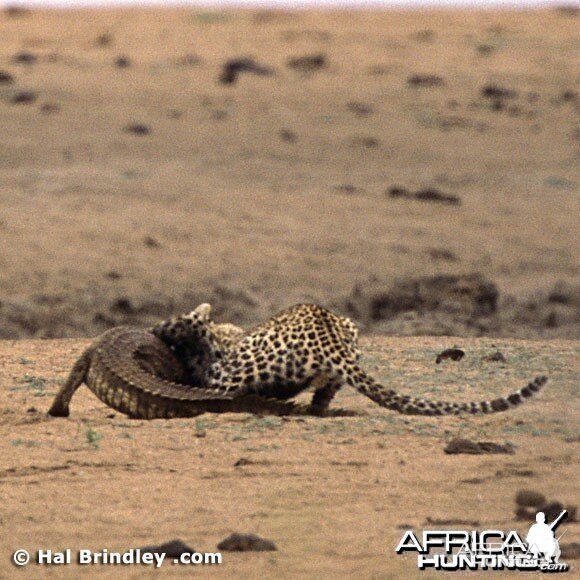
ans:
(135, 373)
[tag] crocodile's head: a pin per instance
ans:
(193, 341)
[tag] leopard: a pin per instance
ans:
(302, 347)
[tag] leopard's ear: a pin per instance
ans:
(203, 311)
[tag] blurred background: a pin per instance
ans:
(416, 167)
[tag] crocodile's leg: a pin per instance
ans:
(78, 374)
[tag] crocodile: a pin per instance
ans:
(135, 373)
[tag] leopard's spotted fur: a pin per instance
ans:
(303, 346)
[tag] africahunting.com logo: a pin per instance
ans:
(488, 549)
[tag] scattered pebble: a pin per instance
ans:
(122, 62)
(348, 189)
(455, 354)
(497, 92)
(497, 356)
(25, 58)
(49, 108)
(308, 63)
(104, 39)
(172, 549)
(429, 194)
(246, 543)
(485, 49)
(288, 136)
(425, 81)
(442, 254)
(367, 142)
(359, 109)
(435, 195)
(24, 98)
(16, 11)
(123, 305)
(466, 446)
(569, 96)
(6, 77)
(530, 498)
(151, 242)
(138, 129)
(232, 68)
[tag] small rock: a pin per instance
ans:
(172, 549)
(359, 109)
(246, 543)
(530, 498)
(497, 92)
(308, 63)
(466, 446)
(25, 58)
(485, 49)
(419, 80)
(442, 254)
(437, 196)
(455, 354)
(122, 62)
(16, 11)
(138, 129)
(104, 39)
(242, 461)
(123, 305)
(288, 136)
(232, 68)
(151, 242)
(497, 356)
(6, 78)
(48, 108)
(348, 189)
(396, 191)
(24, 98)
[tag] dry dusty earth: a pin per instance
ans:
(334, 494)
(134, 184)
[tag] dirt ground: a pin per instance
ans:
(417, 171)
(334, 494)
(135, 184)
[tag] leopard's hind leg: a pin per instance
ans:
(325, 389)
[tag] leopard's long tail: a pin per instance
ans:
(408, 405)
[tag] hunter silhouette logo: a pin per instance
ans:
(488, 549)
(541, 538)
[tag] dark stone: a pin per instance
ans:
(246, 543)
(172, 549)
(232, 68)
(425, 80)
(466, 446)
(530, 498)
(308, 63)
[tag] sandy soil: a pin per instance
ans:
(274, 189)
(332, 493)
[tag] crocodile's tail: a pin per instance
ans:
(390, 399)
(60, 405)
